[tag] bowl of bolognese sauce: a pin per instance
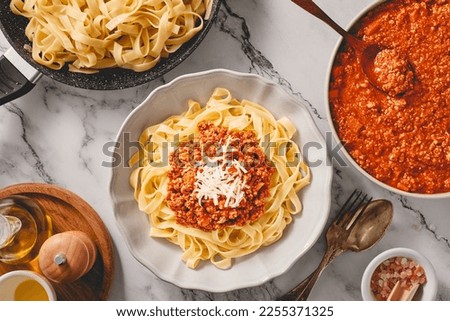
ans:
(400, 141)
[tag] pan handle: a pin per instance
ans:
(17, 77)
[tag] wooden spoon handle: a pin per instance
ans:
(401, 294)
(314, 9)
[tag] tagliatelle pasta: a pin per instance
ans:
(98, 34)
(152, 170)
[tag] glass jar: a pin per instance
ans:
(24, 227)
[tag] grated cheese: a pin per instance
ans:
(214, 179)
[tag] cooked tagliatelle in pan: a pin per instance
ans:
(220, 180)
(97, 34)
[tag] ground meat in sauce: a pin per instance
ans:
(205, 215)
(393, 72)
(402, 141)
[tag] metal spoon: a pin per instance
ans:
(365, 51)
(367, 230)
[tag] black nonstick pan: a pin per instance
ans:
(19, 72)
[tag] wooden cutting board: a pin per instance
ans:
(70, 212)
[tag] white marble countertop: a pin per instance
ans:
(56, 133)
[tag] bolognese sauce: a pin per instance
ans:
(403, 141)
(221, 178)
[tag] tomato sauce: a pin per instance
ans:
(401, 140)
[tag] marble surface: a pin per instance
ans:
(56, 134)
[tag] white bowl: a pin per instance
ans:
(336, 136)
(429, 289)
(11, 280)
(162, 257)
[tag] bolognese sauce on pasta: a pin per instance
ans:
(219, 180)
(225, 184)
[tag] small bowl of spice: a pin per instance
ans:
(399, 274)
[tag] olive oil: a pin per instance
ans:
(24, 227)
(30, 290)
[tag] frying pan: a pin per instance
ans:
(19, 72)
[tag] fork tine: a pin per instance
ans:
(357, 212)
(351, 210)
(347, 205)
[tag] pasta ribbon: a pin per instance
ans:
(98, 34)
(149, 179)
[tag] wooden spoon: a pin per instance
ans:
(400, 293)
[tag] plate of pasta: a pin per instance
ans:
(220, 180)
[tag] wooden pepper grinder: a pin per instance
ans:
(67, 256)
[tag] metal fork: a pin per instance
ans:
(336, 236)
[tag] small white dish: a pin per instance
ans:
(428, 290)
(14, 287)
(164, 258)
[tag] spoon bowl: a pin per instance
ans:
(371, 226)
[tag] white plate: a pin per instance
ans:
(162, 257)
